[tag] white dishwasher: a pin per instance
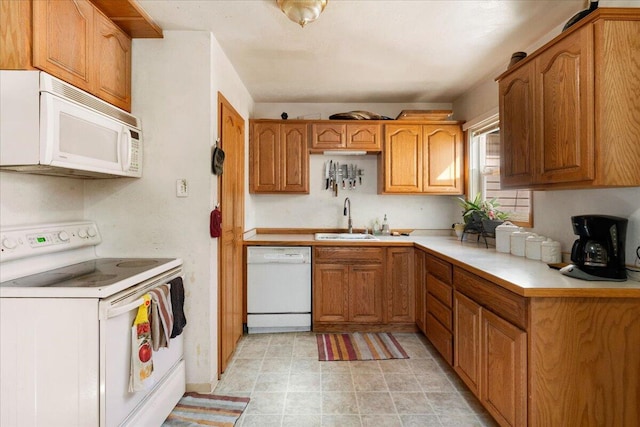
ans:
(278, 289)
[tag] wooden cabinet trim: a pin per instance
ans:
(348, 254)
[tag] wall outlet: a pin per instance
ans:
(182, 188)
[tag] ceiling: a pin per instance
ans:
(368, 50)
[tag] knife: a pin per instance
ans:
(326, 175)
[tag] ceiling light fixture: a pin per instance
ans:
(302, 11)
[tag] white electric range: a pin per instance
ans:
(65, 331)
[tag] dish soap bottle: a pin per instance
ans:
(385, 226)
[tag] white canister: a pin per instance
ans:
(517, 241)
(550, 252)
(533, 246)
(503, 236)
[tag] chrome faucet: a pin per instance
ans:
(347, 211)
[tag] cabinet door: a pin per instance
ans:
(328, 136)
(365, 293)
(330, 293)
(264, 157)
(421, 291)
(112, 63)
(564, 150)
(294, 159)
(466, 341)
(442, 164)
(504, 370)
(403, 159)
(363, 137)
(517, 127)
(400, 286)
(63, 40)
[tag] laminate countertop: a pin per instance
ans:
(520, 275)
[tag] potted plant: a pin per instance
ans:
(482, 216)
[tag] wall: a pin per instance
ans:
(553, 209)
(175, 85)
(320, 209)
(32, 199)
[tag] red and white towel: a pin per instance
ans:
(161, 318)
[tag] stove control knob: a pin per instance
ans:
(64, 236)
(9, 243)
(91, 232)
(82, 233)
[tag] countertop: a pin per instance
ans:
(520, 275)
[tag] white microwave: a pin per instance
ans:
(49, 127)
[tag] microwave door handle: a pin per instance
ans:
(117, 311)
(127, 147)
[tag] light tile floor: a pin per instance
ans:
(288, 386)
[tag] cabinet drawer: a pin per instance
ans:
(350, 254)
(440, 269)
(500, 301)
(440, 290)
(439, 311)
(441, 339)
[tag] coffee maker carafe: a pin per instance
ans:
(599, 252)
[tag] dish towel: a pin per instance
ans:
(177, 304)
(161, 316)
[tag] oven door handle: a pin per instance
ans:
(117, 311)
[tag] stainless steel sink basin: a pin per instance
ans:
(358, 237)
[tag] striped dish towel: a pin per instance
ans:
(161, 318)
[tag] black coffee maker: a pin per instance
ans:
(599, 252)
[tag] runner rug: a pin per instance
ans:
(195, 409)
(359, 346)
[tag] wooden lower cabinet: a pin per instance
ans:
(421, 290)
(490, 356)
(347, 285)
(400, 286)
(439, 301)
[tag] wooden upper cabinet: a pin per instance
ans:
(425, 159)
(564, 97)
(347, 136)
(71, 40)
(516, 128)
(403, 160)
(443, 153)
(112, 63)
(279, 158)
(63, 32)
(569, 112)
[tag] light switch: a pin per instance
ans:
(182, 188)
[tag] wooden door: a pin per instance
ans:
(564, 148)
(442, 164)
(230, 262)
(328, 136)
(294, 158)
(403, 159)
(504, 370)
(112, 63)
(63, 40)
(264, 152)
(466, 341)
(517, 127)
(365, 293)
(400, 298)
(362, 136)
(330, 293)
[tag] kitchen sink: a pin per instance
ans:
(346, 237)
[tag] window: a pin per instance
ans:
(484, 176)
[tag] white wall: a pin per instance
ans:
(553, 209)
(32, 199)
(175, 85)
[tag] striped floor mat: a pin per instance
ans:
(359, 346)
(195, 409)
